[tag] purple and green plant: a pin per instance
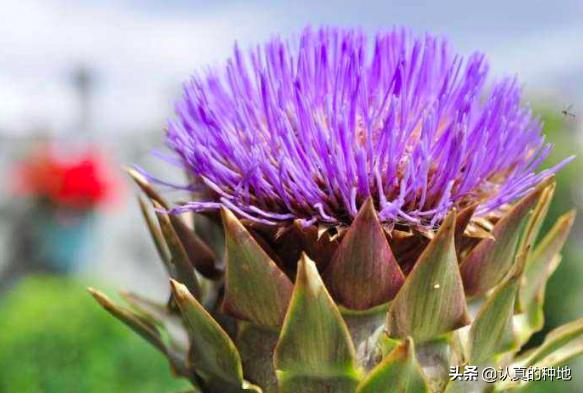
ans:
(363, 214)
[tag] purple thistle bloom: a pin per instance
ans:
(309, 130)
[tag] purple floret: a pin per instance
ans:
(309, 129)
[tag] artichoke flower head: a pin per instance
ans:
(366, 217)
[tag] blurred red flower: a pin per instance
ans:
(83, 182)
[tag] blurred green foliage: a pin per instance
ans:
(564, 298)
(564, 295)
(54, 338)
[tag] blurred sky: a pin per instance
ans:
(142, 50)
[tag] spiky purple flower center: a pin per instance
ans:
(310, 129)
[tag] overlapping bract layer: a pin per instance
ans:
(353, 321)
(311, 129)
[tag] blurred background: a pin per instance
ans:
(86, 87)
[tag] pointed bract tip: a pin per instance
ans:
(465, 215)
(367, 213)
(547, 181)
(230, 221)
(306, 270)
(408, 344)
(137, 176)
(449, 220)
(403, 350)
(157, 205)
(146, 187)
(225, 212)
(179, 290)
(101, 298)
(367, 208)
(529, 199)
(570, 216)
(448, 224)
(227, 216)
(567, 220)
(305, 261)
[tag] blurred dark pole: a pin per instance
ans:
(83, 80)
